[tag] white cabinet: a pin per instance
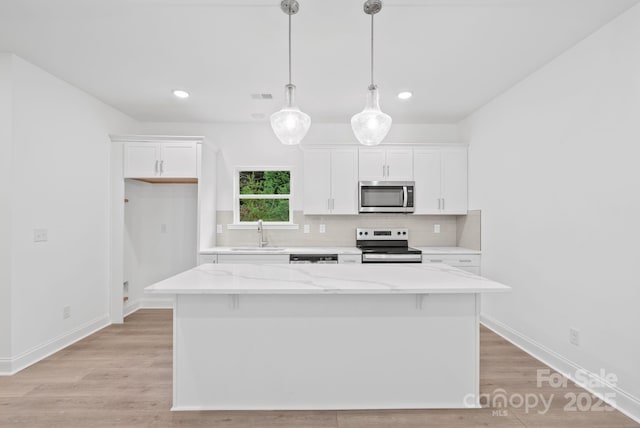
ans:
(440, 177)
(160, 160)
(466, 262)
(330, 181)
(253, 258)
(385, 165)
(349, 259)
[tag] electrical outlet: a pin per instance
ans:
(40, 235)
(307, 229)
(218, 228)
(574, 336)
(436, 228)
(66, 312)
(323, 228)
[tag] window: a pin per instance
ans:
(263, 194)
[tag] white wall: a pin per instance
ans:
(554, 168)
(6, 125)
(255, 145)
(151, 252)
(60, 182)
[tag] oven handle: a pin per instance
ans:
(405, 196)
(393, 257)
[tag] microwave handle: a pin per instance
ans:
(405, 196)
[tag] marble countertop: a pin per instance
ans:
(246, 249)
(325, 279)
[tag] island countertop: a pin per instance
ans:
(434, 278)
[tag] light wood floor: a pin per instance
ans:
(121, 377)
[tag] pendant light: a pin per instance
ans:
(371, 125)
(290, 124)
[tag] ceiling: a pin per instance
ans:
(455, 55)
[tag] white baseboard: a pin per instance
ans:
(10, 366)
(623, 401)
(130, 308)
(149, 303)
(5, 366)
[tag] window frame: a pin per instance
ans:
(236, 197)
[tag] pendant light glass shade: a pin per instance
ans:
(290, 124)
(371, 125)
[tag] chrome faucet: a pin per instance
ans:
(261, 241)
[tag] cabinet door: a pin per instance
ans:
(399, 165)
(454, 181)
(179, 160)
(141, 160)
(253, 258)
(372, 164)
(427, 175)
(317, 181)
(344, 181)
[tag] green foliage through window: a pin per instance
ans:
(265, 209)
(265, 182)
(264, 195)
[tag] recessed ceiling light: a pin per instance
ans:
(179, 93)
(405, 95)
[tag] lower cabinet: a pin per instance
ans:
(349, 258)
(466, 262)
(253, 258)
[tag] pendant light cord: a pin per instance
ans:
(290, 43)
(372, 50)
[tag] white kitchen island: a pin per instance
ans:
(376, 336)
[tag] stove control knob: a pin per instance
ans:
(404, 233)
(398, 232)
(360, 233)
(366, 233)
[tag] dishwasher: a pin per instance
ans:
(326, 259)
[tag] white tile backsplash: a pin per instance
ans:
(341, 230)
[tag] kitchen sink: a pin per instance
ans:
(258, 249)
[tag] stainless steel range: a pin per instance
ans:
(386, 246)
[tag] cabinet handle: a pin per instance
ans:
(161, 166)
(442, 204)
(333, 204)
(388, 173)
(439, 203)
(155, 169)
(328, 204)
(464, 261)
(384, 171)
(435, 261)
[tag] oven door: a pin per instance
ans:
(385, 197)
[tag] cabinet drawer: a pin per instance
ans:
(453, 260)
(253, 258)
(207, 258)
(349, 258)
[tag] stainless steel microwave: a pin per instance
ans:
(386, 196)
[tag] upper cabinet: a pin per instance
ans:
(385, 164)
(160, 160)
(331, 181)
(440, 181)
